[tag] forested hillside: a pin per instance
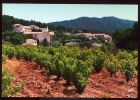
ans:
(8, 21)
(85, 24)
(105, 24)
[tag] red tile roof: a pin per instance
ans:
(31, 40)
(26, 26)
(16, 24)
(32, 32)
(107, 36)
(52, 33)
(99, 33)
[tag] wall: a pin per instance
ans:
(40, 37)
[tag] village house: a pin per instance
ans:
(90, 35)
(30, 42)
(44, 34)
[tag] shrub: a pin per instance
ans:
(98, 60)
(128, 68)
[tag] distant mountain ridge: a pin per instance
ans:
(104, 24)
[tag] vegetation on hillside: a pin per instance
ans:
(105, 24)
(83, 24)
(126, 39)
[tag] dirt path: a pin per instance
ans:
(38, 85)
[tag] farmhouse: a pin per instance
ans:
(43, 34)
(90, 35)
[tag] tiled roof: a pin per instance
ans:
(32, 32)
(89, 34)
(26, 26)
(99, 33)
(16, 24)
(52, 33)
(107, 36)
(31, 40)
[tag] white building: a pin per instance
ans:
(31, 41)
(92, 35)
(38, 35)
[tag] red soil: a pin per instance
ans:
(38, 85)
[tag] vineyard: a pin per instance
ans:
(73, 64)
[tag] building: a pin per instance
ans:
(43, 34)
(90, 35)
(31, 42)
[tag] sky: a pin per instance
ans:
(46, 13)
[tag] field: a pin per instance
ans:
(39, 84)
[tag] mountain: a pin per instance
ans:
(86, 24)
(105, 24)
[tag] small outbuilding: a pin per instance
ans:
(31, 41)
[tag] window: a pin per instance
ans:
(43, 35)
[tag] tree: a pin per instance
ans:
(17, 39)
(45, 42)
(127, 39)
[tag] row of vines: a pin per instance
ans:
(74, 64)
(6, 81)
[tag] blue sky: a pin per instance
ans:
(46, 13)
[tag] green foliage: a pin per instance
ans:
(10, 52)
(128, 68)
(45, 42)
(127, 39)
(80, 82)
(135, 54)
(73, 64)
(103, 48)
(4, 57)
(112, 64)
(85, 44)
(98, 60)
(17, 39)
(56, 43)
(3, 42)
(8, 21)
(6, 81)
(124, 55)
(105, 24)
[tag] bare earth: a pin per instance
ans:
(39, 85)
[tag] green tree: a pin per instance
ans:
(127, 39)
(17, 39)
(45, 42)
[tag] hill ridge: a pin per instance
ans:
(105, 24)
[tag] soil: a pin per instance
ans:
(37, 84)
